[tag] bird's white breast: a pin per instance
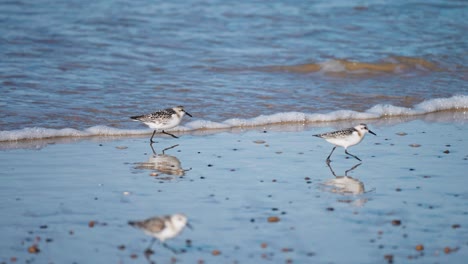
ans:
(346, 141)
(165, 123)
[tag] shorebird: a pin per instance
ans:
(346, 138)
(162, 227)
(163, 119)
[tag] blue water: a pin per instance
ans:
(77, 64)
(80, 68)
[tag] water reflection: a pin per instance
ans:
(346, 185)
(163, 163)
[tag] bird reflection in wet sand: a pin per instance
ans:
(346, 185)
(163, 163)
(162, 228)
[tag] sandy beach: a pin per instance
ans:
(259, 79)
(252, 196)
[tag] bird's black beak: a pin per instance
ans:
(189, 225)
(372, 133)
(188, 114)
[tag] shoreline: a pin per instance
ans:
(410, 188)
(452, 116)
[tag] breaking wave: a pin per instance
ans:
(455, 103)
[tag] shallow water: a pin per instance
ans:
(411, 172)
(82, 64)
(71, 73)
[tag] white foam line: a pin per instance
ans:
(458, 102)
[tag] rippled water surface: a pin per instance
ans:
(75, 69)
(83, 63)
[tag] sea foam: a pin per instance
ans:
(455, 103)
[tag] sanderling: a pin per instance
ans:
(162, 227)
(346, 138)
(163, 119)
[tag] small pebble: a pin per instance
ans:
(216, 252)
(401, 134)
(448, 250)
(273, 219)
(33, 249)
(389, 258)
(330, 209)
(121, 147)
(91, 223)
(419, 247)
(259, 141)
(414, 145)
(455, 226)
(447, 151)
(396, 222)
(264, 245)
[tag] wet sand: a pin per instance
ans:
(252, 196)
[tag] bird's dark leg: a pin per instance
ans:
(329, 166)
(151, 139)
(346, 151)
(169, 134)
(151, 244)
(354, 167)
(170, 248)
(154, 152)
(328, 158)
(148, 252)
(171, 147)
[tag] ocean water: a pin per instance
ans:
(78, 68)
